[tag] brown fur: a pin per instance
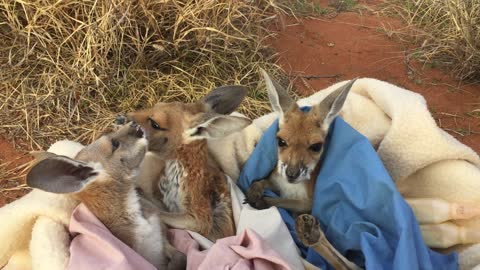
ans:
(300, 139)
(110, 193)
(203, 188)
(113, 194)
(297, 152)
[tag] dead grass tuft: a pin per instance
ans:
(448, 33)
(68, 67)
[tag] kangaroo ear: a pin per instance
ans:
(331, 106)
(217, 127)
(225, 99)
(279, 99)
(60, 174)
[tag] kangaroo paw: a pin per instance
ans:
(308, 229)
(254, 196)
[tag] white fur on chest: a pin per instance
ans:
(169, 185)
(148, 235)
(289, 190)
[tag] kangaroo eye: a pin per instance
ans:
(154, 124)
(281, 142)
(115, 145)
(316, 147)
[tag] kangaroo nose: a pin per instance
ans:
(139, 132)
(292, 174)
(135, 130)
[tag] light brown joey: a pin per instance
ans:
(300, 139)
(179, 171)
(102, 177)
(309, 232)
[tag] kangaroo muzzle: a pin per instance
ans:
(295, 173)
(292, 173)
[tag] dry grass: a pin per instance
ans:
(68, 67)
(447, 31)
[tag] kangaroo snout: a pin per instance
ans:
(296, 173)
(292, 172)
(136, 130)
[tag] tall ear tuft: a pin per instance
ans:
(217, 127)
(225, 99)
(279, 99)
(331, 106)
(60, 174)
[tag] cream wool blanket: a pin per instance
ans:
(423, 160)
(34, 229)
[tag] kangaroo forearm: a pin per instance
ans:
(296, 205)
(333, 257)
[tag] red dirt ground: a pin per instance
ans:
(11, 158)
(350, 45)
(354, 45)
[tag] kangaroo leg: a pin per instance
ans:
(295, 205)
(309, 232)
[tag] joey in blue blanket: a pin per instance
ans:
(357, 204)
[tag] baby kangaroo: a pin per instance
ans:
(179, 171)
(300, 139)
(101, 176)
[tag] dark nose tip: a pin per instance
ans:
(292, 174)
(138, 131)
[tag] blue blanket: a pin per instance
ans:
(357, 204)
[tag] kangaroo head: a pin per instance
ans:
(111, 159)
(301, 134)
(170, 125)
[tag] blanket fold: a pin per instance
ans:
(243, 251)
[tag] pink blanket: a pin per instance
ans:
(94, 247)
(245, 251)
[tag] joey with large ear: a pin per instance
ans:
(186, 179)
(300, 140)
(102, 177)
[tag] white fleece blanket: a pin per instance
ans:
(423, 160)
(33, 229)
